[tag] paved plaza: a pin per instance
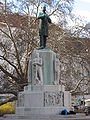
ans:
(47, 117)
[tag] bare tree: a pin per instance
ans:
(80, 27)
(19, 37)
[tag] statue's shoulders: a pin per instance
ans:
(41, 13)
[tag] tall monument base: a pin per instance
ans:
(44, 94)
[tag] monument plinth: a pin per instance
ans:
(44, 94)
(44, 67)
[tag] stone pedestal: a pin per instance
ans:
(42, 67)
(43, 95)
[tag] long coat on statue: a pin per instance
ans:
(43, 24)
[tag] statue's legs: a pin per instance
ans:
(42, 41)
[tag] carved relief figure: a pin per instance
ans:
(52, 99)
(37, 67)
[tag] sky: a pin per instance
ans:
(82, 8)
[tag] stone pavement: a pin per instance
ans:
(46, 117)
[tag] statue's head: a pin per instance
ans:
(44, 8)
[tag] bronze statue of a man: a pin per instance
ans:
(43, 27)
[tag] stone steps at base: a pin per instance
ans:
(46, 117)
(29, 118)
(50, 119)
(9, 116)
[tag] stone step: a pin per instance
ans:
(9, 116)
(31, 117)
(48, 117)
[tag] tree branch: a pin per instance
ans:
(2, 46)
(11, 65)
(8, 100)
(12, 38)
(72, 91)
(9, 74)
(5, 33)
